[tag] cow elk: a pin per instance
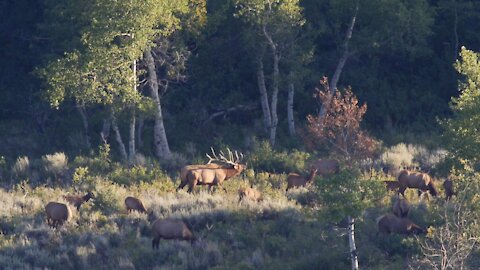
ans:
(134, 204)
(389, 223)
(57, 214)
(326, 166)
(170, 229)
(78, 200)
(295, 180)
(421, 181)
(248, 193)
(449, 190)
(214, 174)
(392, 185)
(401, 207)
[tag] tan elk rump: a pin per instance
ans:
(295, 180)
(214, 176)
(57, 214)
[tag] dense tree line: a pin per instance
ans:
(163, 73)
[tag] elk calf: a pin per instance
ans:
(297, 180)
(449, 191)
(78, 200)
(170, 229)
(57, 214)
(134, 204)
(249, 194)
(389, 223)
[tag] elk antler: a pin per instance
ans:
(229, 160)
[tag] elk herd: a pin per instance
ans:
(223, 166)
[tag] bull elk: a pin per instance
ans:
(213, 174)
(297, 180)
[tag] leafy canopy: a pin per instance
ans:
(462, 131)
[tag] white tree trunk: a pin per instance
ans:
(291, 119)
(351, 241)
(83, 114)
(267, 120)
(131, 142)
(276, 77)
(162, 150)
(118, 137)
(341, 63)
(105, 133)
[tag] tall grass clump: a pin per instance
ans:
(21, 168)
(55, 165)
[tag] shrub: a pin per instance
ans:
(21, 168)
(264, 158)
(55, 165)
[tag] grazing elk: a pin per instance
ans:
(421, 181)
(400, 207)
(449, 191)
(389, 223)
(297, 180)
(326, 166)
(392, 185)
(249, 194)
(78, 200)
(57, 214)
(214, 175)
(170, 229)
(134, 204)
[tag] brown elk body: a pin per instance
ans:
(78, 200)
(170, 229)
(297, 180)
(326, 166)
(389, 223)
(249, 194)
(421, 181)
(57, 213)
(401, 207)
(214, 174)
(184, 172)
(449, 190)
(134, 204)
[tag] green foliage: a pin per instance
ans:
(462, 131)
(348, 194)
(264, 158)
